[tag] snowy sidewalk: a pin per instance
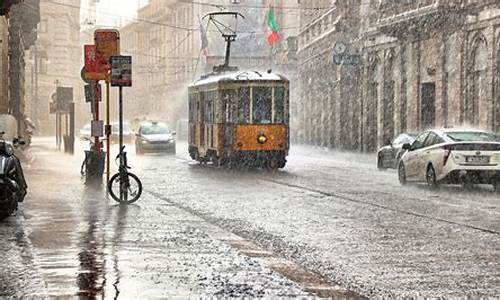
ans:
(82, 244)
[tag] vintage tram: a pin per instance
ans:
(240, 118)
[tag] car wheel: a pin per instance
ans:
(402, 174)
(431, 177)
(380, 163)
(496, 186)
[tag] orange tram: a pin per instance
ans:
(240, 118)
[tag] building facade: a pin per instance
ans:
(329, 108)
(24, 19)
(55, 60)
(164, 58)
(4, 65)
(424, 63)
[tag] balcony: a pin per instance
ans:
(400, 17)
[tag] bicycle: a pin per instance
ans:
(124, 187)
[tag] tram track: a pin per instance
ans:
(379, 206)
(368, 203)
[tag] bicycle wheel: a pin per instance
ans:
(131, 190)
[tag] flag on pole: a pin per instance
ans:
(204, 41)
(273, 26)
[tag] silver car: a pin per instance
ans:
(155, 137)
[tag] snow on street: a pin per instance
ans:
(329, 217)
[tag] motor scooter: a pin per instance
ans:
(13, 186)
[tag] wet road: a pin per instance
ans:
(329, 224)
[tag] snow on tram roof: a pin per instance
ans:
(240, 75)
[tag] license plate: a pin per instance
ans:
(478, 160)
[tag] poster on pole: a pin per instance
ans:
(96, 67)
(93, 92)
(121, 70)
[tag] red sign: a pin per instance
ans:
(107, 42)
(96, 67)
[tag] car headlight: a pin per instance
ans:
(144, 142)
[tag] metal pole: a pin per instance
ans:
(108, 144)
(97, 143)
(120, 136)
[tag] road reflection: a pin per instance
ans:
(90, 279)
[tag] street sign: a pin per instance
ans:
(107, 43)
(97, 128)
(347, 59)
(96, 67)
(121, 70)
(64, 98)
(93, 92)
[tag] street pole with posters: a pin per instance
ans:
(106, 44)
(128, 185)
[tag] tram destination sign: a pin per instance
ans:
(121, 70)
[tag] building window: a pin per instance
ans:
(478, 82)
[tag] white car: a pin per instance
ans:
(452, 156)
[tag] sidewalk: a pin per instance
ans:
(85, 245)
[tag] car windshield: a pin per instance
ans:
(126, 127)
(155, 129)
(472, 136)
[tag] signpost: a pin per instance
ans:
(121, 75)
(62, 105)
(107, 43)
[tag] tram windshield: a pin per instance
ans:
(262, 105)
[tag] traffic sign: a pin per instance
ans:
(121, 70)
(107, 43)
(96, 67)
(64, 98)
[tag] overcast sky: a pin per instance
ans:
(112, 12)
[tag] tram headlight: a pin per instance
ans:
(262, 139)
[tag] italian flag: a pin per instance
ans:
(273, 27)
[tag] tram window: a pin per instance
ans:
(279, 105)
(243, 105)
(262, 105)
(227, 100)
(209, 111)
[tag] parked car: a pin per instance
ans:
(388, 156)
(452, 156)
(85, 132)
(155, 137)
(128, 134)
